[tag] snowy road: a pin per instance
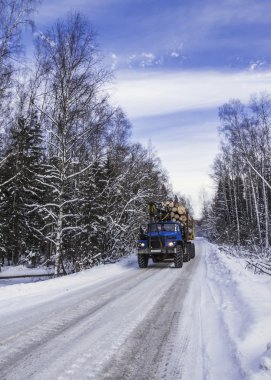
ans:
(120, 322)
(123, 327)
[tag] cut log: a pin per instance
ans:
(181, 210)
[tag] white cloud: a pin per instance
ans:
(175, 54)
(256, 65)
(148, 55)
(152, 93)
(147, 59)
(115, 60)
(143, 60)
(131, 57)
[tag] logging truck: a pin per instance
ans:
(169, 235)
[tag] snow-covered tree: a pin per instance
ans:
(241, 207)
(76, 110)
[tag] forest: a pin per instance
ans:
(73, 185)
(239, 213)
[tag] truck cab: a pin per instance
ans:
(162, 241)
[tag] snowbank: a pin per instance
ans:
(20, 270)
(243, 301)
(44, 291)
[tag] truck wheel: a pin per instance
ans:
(178, 257)
(192, 251)
(187, 254)
(142, 261)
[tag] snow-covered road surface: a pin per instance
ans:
(121, 322)
(121, 327)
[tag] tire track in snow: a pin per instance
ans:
(218, 343)
(15, 347)
(141, 304)
(152, 351)
(182, 356)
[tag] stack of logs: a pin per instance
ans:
(177, 212)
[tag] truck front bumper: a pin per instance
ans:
(163, 251)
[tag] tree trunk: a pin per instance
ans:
(236, 214)
(266, 217)
(256, 209)
(59, 242)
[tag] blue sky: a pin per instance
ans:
(175, 62)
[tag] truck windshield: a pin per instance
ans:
(163, 227)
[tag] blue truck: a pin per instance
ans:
(166, 238)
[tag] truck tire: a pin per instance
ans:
(192, 251)
(178, 257)
(187, 254)
(142, 261)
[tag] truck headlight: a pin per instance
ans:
(171, 244)
(141, 245)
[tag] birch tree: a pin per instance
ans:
(76, 111)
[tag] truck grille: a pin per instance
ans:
(155, 242)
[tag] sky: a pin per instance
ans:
(175, 62)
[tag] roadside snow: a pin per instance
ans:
(44, 291)
(22, 270)
(243, 314)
